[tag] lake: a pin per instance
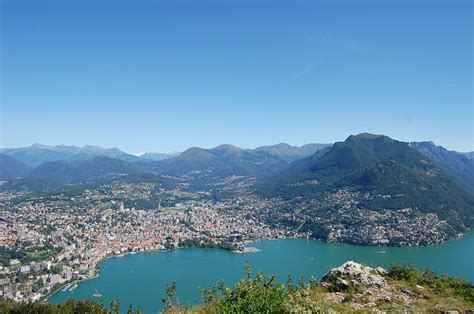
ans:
(141, 279)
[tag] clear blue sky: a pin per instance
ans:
(164, 76)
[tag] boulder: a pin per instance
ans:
(352, 274)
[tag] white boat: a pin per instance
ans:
(97, 294)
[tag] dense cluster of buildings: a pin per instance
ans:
(55, 240)
(50, 241)
(341, 217)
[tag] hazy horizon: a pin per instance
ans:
(209, 147)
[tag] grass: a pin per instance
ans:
(39, 256)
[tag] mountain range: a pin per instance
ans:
(37, 154)
(71, 164)
(223, 160)
(282, 169)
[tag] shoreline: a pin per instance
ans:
(51, 293)
(246, 242)
(97, 272)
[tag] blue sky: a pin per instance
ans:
(164, 76)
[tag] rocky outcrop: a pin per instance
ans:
(354, 275)
(367, 286)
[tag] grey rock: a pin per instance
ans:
(341, 283)
(381, 271)
(354, 274)
(385, 298)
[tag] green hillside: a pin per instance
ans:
(395, 175)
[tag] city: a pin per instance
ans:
(50, 241)
(65, 237)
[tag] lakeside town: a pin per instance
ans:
(49, 241)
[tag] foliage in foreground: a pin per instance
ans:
(251, 295)
(262, 294)
(68, 307)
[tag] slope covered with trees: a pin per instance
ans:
(395, 175)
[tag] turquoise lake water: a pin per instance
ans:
(141, 279)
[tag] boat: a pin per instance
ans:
(97, 294)
(66, 287)
(73, 287)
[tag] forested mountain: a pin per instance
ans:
(79, 171)
(36, 154)
(395, 175)
(10, 168)
(220, 161)
(223, 160)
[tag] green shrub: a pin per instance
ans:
(260, 294)
(408, 273)
(68, 307)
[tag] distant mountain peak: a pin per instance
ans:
(194, 152)
(38, 145)
(369, 136)
(291, 153)
(227, 147)
(284, 145)
(37, 154)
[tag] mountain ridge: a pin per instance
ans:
(75, 171)
(10, 168)
(36, 154)
(457, 165)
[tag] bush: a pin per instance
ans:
(68, 307)
(408, 273)
(252, 295)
